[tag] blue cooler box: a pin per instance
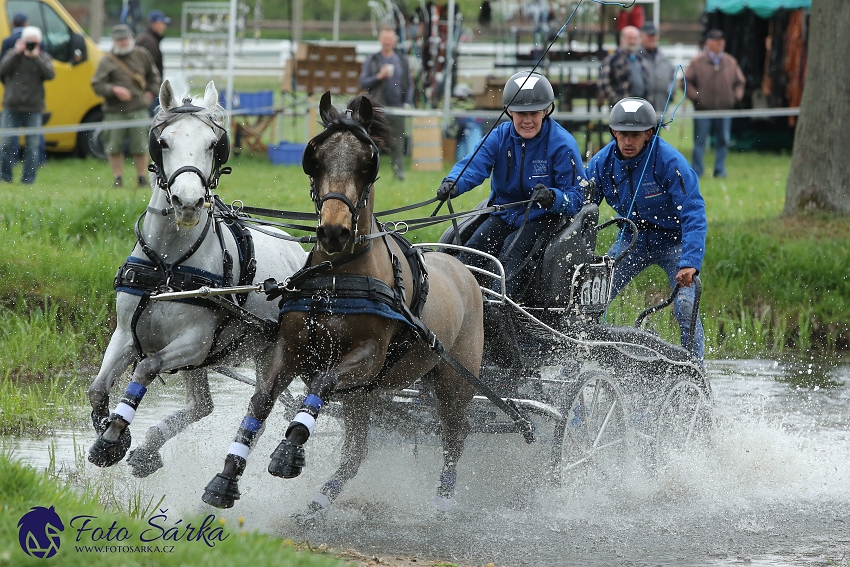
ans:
(286, 153)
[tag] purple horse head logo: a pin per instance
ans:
(38, 532)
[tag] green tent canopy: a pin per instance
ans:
(762, 8)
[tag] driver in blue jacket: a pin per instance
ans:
(669, 210)
(532, 157)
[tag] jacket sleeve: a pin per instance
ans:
(480, 167)
(100, 80)
(368, 79)
(7, 64)
(687, 199)
(691, 85)
(740, 83)
(46, 63)
(569, 173)
(152, 79)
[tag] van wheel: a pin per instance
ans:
(87, 140)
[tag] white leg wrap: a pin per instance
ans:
(238, 449)
(306, 420)
(126, 412)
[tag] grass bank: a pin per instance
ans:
(22, 488)
(771, 283)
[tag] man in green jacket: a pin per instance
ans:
(128, 80)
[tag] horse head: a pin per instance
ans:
(342, 163)
(187, 137)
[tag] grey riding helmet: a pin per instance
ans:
(632, 115)
(528, 92)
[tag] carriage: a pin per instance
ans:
(606, 390)
(351, 331)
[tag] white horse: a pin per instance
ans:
(182, 246)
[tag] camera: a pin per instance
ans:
(31, 45)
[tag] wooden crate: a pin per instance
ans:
(427, 144)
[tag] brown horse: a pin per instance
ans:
(346, 322)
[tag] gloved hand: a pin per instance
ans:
(447, 189)
(543, 196)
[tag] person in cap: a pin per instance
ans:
(152, 37)
(127, 79)
(19, 22)
(660, 70)
(23, 71)
(646, 180)
(532, 157)
(623, 73)
(714, 81)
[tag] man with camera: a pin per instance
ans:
(23, 71)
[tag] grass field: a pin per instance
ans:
(771, 283)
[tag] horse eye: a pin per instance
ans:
(163, 144)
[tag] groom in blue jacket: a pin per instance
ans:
(649, 182)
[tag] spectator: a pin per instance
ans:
(150, 40)
(623, 73)
(485, 13)
(127, 79)
(23, 71)
(714, 81)
(654, 186)
(19, 22)
(661, 70)
(386, 77)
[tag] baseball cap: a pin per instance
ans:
(19, 20)
(714, 34)
(157, 16)
(122, 31)
(649, 29)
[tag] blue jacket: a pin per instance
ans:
(517, 165)
(669, 198)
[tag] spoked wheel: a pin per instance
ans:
(594, 431)
(685, 420)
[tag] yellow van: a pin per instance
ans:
(69, 97)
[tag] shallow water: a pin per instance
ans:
(772, 489)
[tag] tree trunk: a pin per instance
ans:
(820, 167)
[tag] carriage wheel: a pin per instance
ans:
(594, 430)
(685, 420)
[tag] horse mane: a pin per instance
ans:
(379, 130)
(217, 113)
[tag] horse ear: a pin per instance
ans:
(326, 109)
(166, 96)
(365, 112)
(210, 95)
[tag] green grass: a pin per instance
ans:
(771, 283)
(22, 488)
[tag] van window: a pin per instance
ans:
(56, 35)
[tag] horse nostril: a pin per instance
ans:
(200, 202)
(175, 200)
(320, 233)
(344, 234)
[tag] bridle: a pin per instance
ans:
(221, 153)
(310, 166)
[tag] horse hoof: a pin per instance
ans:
(144, 462)
(106, 453)
(100, 423)
(287, 460)
(221, 492)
